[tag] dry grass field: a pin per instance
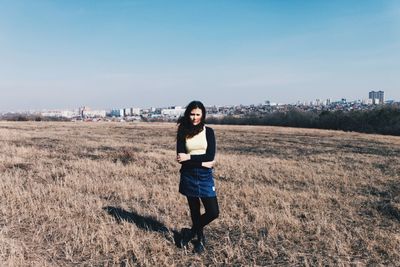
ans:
(106, 194)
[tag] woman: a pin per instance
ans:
(196, 151)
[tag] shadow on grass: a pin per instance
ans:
(144, 222)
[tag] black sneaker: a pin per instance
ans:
(187, 235)
(199, 245)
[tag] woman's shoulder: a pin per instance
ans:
(209, 130)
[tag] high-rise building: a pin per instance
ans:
(328, 101)
(378, 97)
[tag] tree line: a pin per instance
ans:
(382, 120)
(29, 117)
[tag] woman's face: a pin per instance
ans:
(195, 116)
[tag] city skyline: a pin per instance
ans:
(152, 53)
(375, 98)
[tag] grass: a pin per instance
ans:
(105, 194)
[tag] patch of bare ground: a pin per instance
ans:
(105, 194)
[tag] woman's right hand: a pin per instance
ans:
(208, 164)
(181, 157)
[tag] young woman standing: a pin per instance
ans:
(196, 151)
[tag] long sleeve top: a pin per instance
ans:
(196, 160)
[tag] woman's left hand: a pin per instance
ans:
(182, 157)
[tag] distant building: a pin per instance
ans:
(94, 113)
(326, 102)
(81, 111)
(124, 112)
(127, 112)
(135, 111)
(86, 112)
(378, 97)
(116, 113)
(59, 114)
(173, 112)
(367, 101)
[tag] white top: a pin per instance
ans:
(197, 145)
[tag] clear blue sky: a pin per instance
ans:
(104, 54)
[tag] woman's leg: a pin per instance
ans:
(211, 213)
(194, 206)
(199, 221)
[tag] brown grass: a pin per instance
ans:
(106, 194)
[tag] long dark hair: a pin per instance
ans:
(186, 129)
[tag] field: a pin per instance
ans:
(105, 194)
